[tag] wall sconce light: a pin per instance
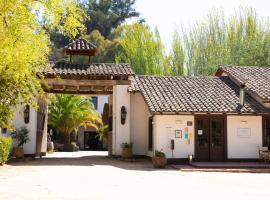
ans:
(26, 114)
(123, 115)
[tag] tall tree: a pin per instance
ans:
(143, 50)
(68, 112)
(177, 56)
(106, 15)
(25, 46)
(243, 39)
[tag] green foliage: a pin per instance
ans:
(21, 136)
(25, 46)
(126, 145)
(242, 40)
(160, 153)
(5, 146)
(106, 15)
(177, 56)
(68, 112)
(143, 49)
(103, 133)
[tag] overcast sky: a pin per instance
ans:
(169, 14)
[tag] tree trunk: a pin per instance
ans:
(66, 138)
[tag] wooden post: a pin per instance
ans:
(70, 58)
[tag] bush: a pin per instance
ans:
(5, 146)
(21, 136)
(126, 145)
(160, 154)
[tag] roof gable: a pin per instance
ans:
(80, 47)
(257, 79)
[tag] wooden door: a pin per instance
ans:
(202, 139)
(209, 138)
(217, 139)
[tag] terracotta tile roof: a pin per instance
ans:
(67, 70)
(257, 79)
(80, 44)
(193, 95)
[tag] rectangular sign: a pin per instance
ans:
(244, 132)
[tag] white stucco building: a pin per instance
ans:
(210, 118)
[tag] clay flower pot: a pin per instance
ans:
(127, 152)
(18, 152)
(159, 162)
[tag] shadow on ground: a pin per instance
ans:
(140, 164)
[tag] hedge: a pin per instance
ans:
(5, 146)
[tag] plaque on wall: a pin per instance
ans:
(200, 132)
(244, 132)
(189, 123)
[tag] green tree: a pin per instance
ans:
(143, 49)
(177, 56)
(106, 15)
(25, 46)
(68, 112)
(243, 39)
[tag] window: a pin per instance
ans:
(150, 134)
(95, 102)
(3, 130)
(266, 132)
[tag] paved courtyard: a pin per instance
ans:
(93, 176)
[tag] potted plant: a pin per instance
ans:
(127, 150)
(159, 160)
(22, 138)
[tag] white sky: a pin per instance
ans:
(169, 15)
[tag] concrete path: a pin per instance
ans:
(82, 175)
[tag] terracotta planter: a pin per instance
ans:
(127, 152)
(18, 152)
(159, 162)
(50, 146)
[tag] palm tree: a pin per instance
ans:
(68, 112)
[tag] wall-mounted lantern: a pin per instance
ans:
(26, 114)
(123, 115)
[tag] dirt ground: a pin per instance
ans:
(93, 176)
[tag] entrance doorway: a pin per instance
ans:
(92, 142)
(210, 139)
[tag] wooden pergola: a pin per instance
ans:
(90, 78)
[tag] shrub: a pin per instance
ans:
(126, 145)
(160, 154)
(5, 145)
(21, 136)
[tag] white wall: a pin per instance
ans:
(101, 101)
(244, 146)
(164, 131)
(30, 147)
(139, 116)
(121, 133)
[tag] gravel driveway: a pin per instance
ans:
(93, 176)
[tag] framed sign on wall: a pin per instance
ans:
(178, 133)
(244, 132)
